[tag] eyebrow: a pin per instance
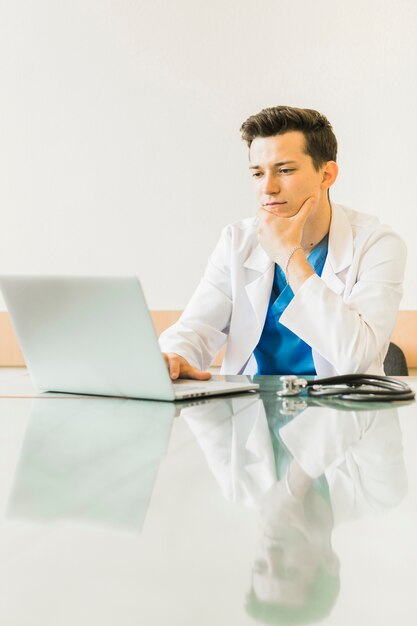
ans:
(280, 164)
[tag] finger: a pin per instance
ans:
(167, 362)
(198, 374)
(174, 366)
(180, 368)
(187, 371)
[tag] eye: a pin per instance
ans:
(256, 174)
(286, 170)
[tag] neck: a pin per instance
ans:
(317, 226)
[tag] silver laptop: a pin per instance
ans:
(94, 335)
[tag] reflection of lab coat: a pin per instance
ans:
(359, 452)
(234, 436)
(347, 316)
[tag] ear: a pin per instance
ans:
(330, 171)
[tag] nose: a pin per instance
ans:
(270, 184)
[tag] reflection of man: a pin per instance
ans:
(307, 287)
(306, 474)
(295, 578)
(342, 466)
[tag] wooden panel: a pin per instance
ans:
(405, 336)
(10, 355)
(163, 319)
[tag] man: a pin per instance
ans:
(306, 286)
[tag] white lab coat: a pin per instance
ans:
(347, 316)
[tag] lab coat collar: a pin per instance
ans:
(340, 249)
(340, 252)
(258, 260)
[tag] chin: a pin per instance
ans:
(283, 211)
(287, 212)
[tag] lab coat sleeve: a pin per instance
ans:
(203, 327)
(350, 331)
(360, 453)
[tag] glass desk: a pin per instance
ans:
(229, 511)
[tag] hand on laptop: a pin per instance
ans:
(178, 367)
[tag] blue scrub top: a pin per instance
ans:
(279, 350)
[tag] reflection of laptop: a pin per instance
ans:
(94, 460)
(94, 335)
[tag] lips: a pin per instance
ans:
(274, 203)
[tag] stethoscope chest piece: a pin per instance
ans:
(291, 385)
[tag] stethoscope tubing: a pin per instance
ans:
(361, 387)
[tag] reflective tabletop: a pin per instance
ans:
(235, 510)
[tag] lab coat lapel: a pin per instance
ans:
(259, 289)
(339, 257)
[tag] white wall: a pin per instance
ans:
(119, 124)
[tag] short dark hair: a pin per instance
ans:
(320, 140)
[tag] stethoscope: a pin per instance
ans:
(356, 387)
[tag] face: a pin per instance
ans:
(285, 568)
(284, 176)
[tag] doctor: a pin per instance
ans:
(306, 286)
